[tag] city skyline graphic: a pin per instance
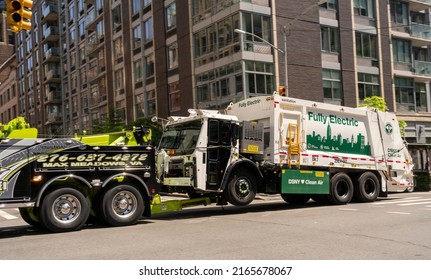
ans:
(336, 143)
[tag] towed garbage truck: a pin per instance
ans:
(299, 149)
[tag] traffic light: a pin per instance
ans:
(19, 14)
(282, 90)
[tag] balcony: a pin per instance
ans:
(92, 19)
(52, 75)
(419, 34)
(50, 13)
(53, 97)
(53, 117)
(422, 68)
(94, 44)
(50, 34)
(52, 55)
(419, 5)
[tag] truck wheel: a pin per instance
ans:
(296, 199)
(29, 215)
(64, 209)
(367, 187)
(122, 205)
(341, 189)
(241, 189)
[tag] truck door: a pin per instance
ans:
(219, 147)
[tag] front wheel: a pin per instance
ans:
(64, 209)
(241, 188)
(122, 205)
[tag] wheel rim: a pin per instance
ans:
(342, 189)
(242, 188)
(124, 203)
(66, 208)
(369, 187)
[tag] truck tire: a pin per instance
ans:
(29, 215)
(64, 209)
(122, 205)
(296, 199)
(367, 187)
(241, 188)
(341, 189)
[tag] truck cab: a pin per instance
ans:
(195, 151)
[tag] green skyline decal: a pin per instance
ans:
(336, 143)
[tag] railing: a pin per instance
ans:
(50, 30)
(49, 10)
(422, 67)
(421, 30)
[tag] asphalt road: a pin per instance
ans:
(394, 228)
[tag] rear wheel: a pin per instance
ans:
(241, 188)
(296, 199)
(64, 209)
(341, 189)
(122, 205)
(367, 187)
(29, 215)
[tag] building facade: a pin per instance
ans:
(86, 60)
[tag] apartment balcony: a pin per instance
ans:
(53, 118)
(418, 34)
(52, 55)
(50, 34)
(95, 43)
(419, 5)
(53, 76)
(94, 74)
(92, 19)
(419, 70)
(53, 97)
(49, 13)
(422, 68)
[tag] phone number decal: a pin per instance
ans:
(91, 160)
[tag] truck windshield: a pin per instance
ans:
(181, 138)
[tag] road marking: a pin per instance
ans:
(415, 203)
(399, 213)
(7, 216)
(402, 201)
(347, 209)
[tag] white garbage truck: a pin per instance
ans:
(299, 149)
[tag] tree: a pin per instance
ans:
(378, 103)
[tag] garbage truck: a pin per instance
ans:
(274, 144)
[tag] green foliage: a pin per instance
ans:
(376, 102)
(15, 124)
(114, 122)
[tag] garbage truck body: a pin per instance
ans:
(280, 145)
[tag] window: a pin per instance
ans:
(174, 97)
(149, 65)
(258, 25)
(171, 16)
(172, 56)
(118, 48)
(138, 73)
(147, 2)
(260, 79)
(399, 12)
(402, 51)
(331, 84)
(116, 16)
(330, 39)
(135, 6)
(366, 45)
(421, 97)
(119, 81)
(404, 92)
(148, 30)
(137, 37)
(364, 8)
(368, 85)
